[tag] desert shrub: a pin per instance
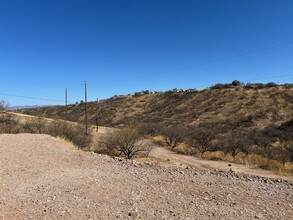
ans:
(127, 142)
(228, 85)
(286, 151)
(3, 105)
(35, 125)
(285, 131)
(173, 136)
(147, 128)
(271, 84)
(236, 83)
(218, 86)
(266, 140)
(261, 140)
(69, 131)
(72, 132)
(288, 85)
(235, 143)
(255, 86)
(201, 138)
(9, 124)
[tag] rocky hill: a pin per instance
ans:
(255, 107)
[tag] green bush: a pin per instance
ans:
(271, 84)
(236, 83)
(218, 86)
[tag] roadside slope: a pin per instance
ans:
(44, 178)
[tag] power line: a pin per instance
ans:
(270, 77)
(85, 107)
(178, 69)
(206, 62)
(37, 98)
(30, 97)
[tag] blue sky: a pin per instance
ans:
(120, 47)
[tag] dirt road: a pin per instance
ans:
(203, 164)
(45, 178)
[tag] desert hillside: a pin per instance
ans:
(45, 178)
(243, 124)
(254, 107)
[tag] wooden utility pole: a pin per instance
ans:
(85, 107)
(97, 116)
(66, 102)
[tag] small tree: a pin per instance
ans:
(263, 141)
(201, 138)
(3, 105)
(127, 142)
(288, 146)
(218, 86)
(235, 143)
(236, 83)
(271, 84)
(147, 128)
(285, 153)
(173, 136)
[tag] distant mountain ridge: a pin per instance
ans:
(19, 107)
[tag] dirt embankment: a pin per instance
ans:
(44, 178)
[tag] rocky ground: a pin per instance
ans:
(45, 178)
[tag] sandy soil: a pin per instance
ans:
(45, 178)
(204, 164)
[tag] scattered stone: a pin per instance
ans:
(49, 181)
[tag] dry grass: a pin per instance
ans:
(251, 160)
(184, 149)
(71, 132)
(263, 105)
(233, 108)
(160, 141)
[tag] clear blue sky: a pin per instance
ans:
(121, 47)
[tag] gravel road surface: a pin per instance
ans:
(42, 177)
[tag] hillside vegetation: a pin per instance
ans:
(243, 124)
(250, 107)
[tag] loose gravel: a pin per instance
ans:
(42, 177)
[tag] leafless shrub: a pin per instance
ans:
(3, 105)
(263, 142)
(147, 128)
(235, 143)
(288, 146)
(201, 139)
(173, 136)
(284, 152)
(35, 125)
(127, 142)
(72, 132)
(9, 123)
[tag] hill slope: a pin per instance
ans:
(255, 107)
